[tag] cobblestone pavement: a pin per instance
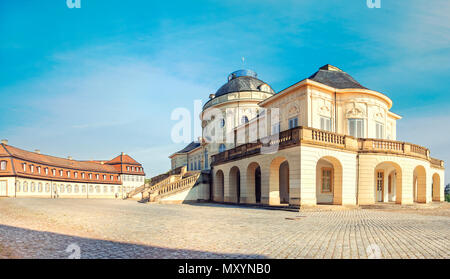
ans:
(45, 228)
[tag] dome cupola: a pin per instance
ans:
(243, 80)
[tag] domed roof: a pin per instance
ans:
(243, 80)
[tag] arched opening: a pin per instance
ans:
(279, 181)
(235, 185)
(328, 181)
(253, 183)
(388, 182)
(284, 183)
(218, 189)
(420, 185)
(436, 188)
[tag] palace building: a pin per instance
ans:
(32, 174)
(325, 139)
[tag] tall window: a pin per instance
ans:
(293, 122)
(222, 123)
(206, 159)
(32, 168)
(3, 165)
(53, 172)
(379, 130)
(39, 170)
(46, 171)
(356, 127)
(222, 147)
(325, 123)
(24, 167)
(326, 180)
(244, 119)
(275, 128)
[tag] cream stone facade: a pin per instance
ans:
(324, 140)
(32, 174)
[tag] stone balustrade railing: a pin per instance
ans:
(304, 135)
(138, 190)
(178, 185)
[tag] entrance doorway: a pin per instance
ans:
(258, 185)
(380, 186)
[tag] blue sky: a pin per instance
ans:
(96, 81)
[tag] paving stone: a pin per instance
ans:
(45, 228)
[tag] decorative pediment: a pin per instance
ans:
(355, 111)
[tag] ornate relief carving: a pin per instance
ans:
(355, 111)
(293, 110)
(325, 108)
(378, 114)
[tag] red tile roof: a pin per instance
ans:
(124, 159)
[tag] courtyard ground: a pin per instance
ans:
(55, 228)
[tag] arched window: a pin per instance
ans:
(244, 119)
(222, 123)
(25, 186)
(33, 187)
(40, 187)
(17, 186)
(222, 148)
(47, 187)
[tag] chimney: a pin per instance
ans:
(4, 141)
(37, 151)
(69, 157)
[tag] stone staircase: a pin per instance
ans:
(163, 190)
(165, 185)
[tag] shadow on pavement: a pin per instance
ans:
(25, 243)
